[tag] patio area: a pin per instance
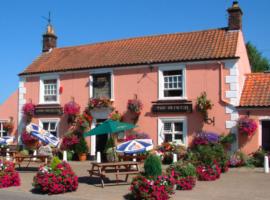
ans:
(238, 183)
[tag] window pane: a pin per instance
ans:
(102, 85)
(178, 126)
(53, 126)
(172, 72)
(46, 126)
(178, 137)
(54, 133)
(168, 137)
(166, 85)
(173, 93)
(167, 126)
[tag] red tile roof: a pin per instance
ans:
(256, 90)
(192, 46)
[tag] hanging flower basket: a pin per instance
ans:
(71, 109)
(8, 126)
(135, 106)
(203, 105)
(28, 112)
(247, 126)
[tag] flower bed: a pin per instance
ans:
(159, 189)
(184, 174)
(8, 175)
(208, 173)
(55, 179)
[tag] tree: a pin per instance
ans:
(258, 62)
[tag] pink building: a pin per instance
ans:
(166, 72)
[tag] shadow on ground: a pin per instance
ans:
(97, 182)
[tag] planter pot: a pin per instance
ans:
(82, 156)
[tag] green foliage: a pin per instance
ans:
(227, 139)
(81, 147)
(55, 162)
(152, 166)
(257, 159)
(258, 62)
(184, 169)
(109, 144)
(208, 154)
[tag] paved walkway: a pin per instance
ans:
(238, 184)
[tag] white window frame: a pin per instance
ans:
(56, 120)
(161, 121)
(1, 127)
(41, 89)
(101, 71)
(163, 68)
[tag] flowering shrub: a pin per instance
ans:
(203, 105)
(159, 189)
(247, 126)
(8, 175)
(135, 105)
(166, 150)
(82, 123)
(184, 174)
(185, 183)
(205, 138)
(71, 108)
(116, 116)
(29, 140)
(69, 141)
(55, 179)
(237, 159)
(208, 172)
(99, 103)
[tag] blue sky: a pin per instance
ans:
(84, 21)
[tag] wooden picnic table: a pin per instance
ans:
(117, 168)
(18, 159)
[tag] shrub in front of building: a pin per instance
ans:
(55, 178)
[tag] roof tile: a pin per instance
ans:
(200, 45)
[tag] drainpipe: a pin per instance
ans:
(221, 89)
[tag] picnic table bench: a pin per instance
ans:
(18, 159)
(117, 168)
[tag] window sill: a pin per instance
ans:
(172, 98)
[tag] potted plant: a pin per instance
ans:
(81, 149)
(116, 116)
(28, 111)
(110, 150)
(71, 109)
(135, 106)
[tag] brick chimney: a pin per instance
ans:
(235, 17)
(49, 39)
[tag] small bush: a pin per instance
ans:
(81, 147)
(152, 166)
